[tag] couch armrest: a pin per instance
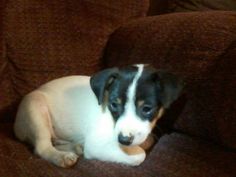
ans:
(193, 45)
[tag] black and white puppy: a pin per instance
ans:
(107, 116)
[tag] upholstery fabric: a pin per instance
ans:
(6, 91)
(175, 155)
(158, 7)
(200, 48)
(51, 39)
(200, 5)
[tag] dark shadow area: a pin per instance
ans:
(166, 123)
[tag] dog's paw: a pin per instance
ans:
(136, 160)
(136, 155)
(67, 159)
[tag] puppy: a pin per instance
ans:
(107, 116)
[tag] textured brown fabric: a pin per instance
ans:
(174, 155)
(200, 5)
(196, 46)
(50, 39)
(6, 91)
(157, 7)
(179, 155)
(213, 100)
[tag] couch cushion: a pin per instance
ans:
(50, 39)
(198, 46)
(174, 155)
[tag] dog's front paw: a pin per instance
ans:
(135, 154)
(66, 159)
(136, 160)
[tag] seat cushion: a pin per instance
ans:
(175, 155)
(180, 155)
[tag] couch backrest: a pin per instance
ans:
(49, 39)
(169, 6)
(201, 48)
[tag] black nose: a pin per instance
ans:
(125, 140)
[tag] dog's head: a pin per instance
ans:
(136, 97)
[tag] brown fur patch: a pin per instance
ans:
(140, 103)
(158, 116)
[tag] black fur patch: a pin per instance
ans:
(118, 90)
(148, 92)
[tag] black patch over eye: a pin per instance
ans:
(114, 106)
(148, 111)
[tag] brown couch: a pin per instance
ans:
(43, 40)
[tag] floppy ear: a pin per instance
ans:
(170, 86)
(100, 81)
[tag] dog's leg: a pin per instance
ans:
(45, 150)
(68, 146)
(136, 154)
(112, 152)
(63, 145)
(34, 124)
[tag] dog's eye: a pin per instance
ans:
(147, 110)
(114, 105)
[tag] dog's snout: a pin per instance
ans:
(125, 140)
